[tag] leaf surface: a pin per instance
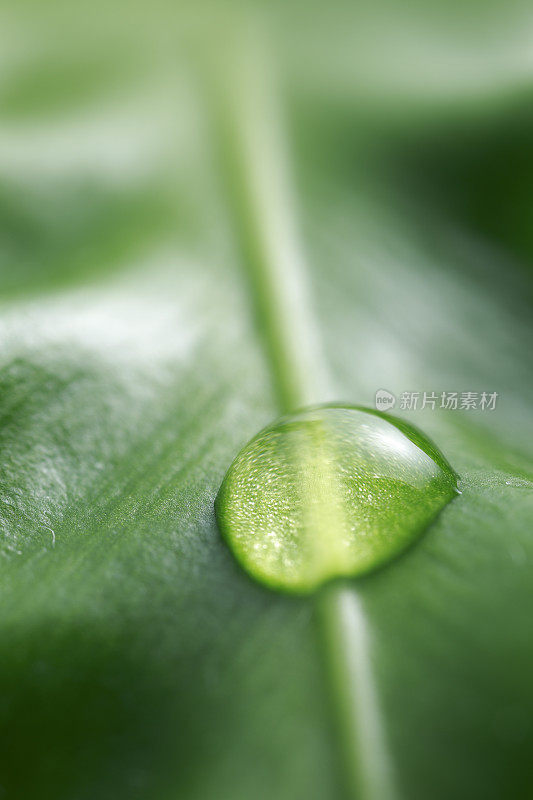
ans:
(138, 660)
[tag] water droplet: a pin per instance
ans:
(330, 491)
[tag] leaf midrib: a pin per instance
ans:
(292, 350)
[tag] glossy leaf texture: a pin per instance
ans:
(137, 659)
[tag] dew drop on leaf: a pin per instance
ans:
(330, 491)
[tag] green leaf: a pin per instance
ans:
(155, 315)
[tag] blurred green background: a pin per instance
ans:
(390, 155)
